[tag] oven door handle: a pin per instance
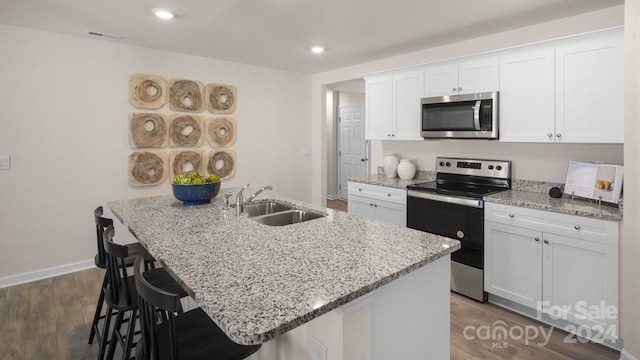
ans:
(476, 115)
(448, 199)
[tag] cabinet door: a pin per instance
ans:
(391, 213)
(527, 97)
(362, 207)
(441, 80)
(408, 89)
(589, 93)
(578, 274)
(513, 263)
(379, 105)
(478, 76)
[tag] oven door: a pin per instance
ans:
(457, 218)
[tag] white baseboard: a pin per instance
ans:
(333, 197)
(626, 356)
(45, 273)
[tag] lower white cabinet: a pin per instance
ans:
(564, 265)
(380, 203)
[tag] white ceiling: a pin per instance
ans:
(278, 33)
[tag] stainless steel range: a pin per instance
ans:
(453, 206)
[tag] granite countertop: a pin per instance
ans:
(542, 201)
(385, 181)
(257, 281)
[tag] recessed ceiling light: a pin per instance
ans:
(317, 49)
(164, 14)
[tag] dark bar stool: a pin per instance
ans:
(121, 297)
(168, 333)
(134, 250)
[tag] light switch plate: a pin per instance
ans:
(305, 151)
(5, 162)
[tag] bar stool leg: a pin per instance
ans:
(96, 316)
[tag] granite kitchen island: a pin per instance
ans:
(383, 291)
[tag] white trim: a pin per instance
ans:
(333, 197)
(45, 273)
(624, 355)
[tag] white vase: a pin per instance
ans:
(406, 169)
(390, 165)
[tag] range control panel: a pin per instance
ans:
(478, 167)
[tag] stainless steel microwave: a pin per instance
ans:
(469, 116)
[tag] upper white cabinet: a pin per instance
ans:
(393, 106)
(462, 78)
(527, 96)
(589, 92)
(571, 93)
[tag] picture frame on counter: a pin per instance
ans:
(594, 181)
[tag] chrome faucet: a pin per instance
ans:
(253, 196)
(239, 201)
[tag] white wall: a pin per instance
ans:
(630, 247)
(63, 120)
(351, 98)
(525, 155)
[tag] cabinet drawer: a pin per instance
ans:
(376, 192)
(578, 227)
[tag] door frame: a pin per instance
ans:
(367, 148)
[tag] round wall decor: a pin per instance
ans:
(147, 91)
(185, 130)
(221, 98)
(221, 163)
(147, 168)
(186, 95)
(147, 130)
(221, 131)
(185, 162)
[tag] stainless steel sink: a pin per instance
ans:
(287, 217)
(264, 208)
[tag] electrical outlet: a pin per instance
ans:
(305, 151)
(5, 162)
(318, 350)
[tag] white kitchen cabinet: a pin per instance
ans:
(393, 106)
(553, 261)
(462, 77)
(589, 92)
(379, 107)
(564, 94)
(527, 96)
(380, 203)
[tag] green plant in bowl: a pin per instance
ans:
(195, 189)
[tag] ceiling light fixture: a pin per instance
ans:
(317, 49)
(164, 14)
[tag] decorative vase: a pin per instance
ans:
(390, 165)
(406, 169)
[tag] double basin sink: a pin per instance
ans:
(275, 213)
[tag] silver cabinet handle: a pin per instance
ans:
(389, 135)
(549, 134)
(370, 204)
(454, 89)
(363, 159)
(360, 190)
(511, 216)
(375, 205)
(389, 195)
(577, 227)
(460, 88)
(546, 241)
(558, 135)
(536, 239)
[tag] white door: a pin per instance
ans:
(352, 150)
(527, 97)
(379, 100)
(513, 263)
(362, 207)
(441, 80)
(408, 89)
(391, 213)
(478, 76)
(589, 80)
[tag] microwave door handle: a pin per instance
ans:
(476, 115)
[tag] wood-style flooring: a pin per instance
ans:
(340, 205)
(49, 319)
